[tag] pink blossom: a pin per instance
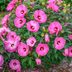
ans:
(19, 22)
(40, 16)
(10, 6)
(70, 36)
(68, 52)
(51, 1)
(47, 39)
(14, 1)
(21, 10)
(5, 20)
(55, 1)
(14, 64)
(59, 43)
(53, 6)
(31, 41)
(12, 36)
(38, 61)
(54, 27)
(1, 60)
(33, 26)
(23, 49)
(10, 45)
(4, 30)
(42, 49)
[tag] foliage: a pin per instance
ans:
(54, 56)
(3, 4)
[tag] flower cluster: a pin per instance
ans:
(13, 42)
(53, 5)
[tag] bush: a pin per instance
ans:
(51, 36)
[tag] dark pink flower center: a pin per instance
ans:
(32, 27)
(32, 42)
(12, 36)
(38, 17)
(41, 48)
(71, 51)
(58, 42)
(56, 29)
(22, 11)
(4, 31)
(21, 21)
(14, 63)
(12, 45)
(24, 49)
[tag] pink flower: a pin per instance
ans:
(10, 45)
(12, 36)
(38, 61)
(47, 39)
(19, 22)
(21, 10)
(53, 6)
(68, 52)
(55, 1)
(14, 1)
(54, 27)
(40, 16)
(23, 49)
(5, 20)
(51, 1)
(1, 60)
(31, 41)
(59, 43)
(4, 30)
(42, 49)
(70, 36)
(14, 64)
(10, 6)
(33, 26)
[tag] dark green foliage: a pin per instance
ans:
(68, 1)
(3, 4)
